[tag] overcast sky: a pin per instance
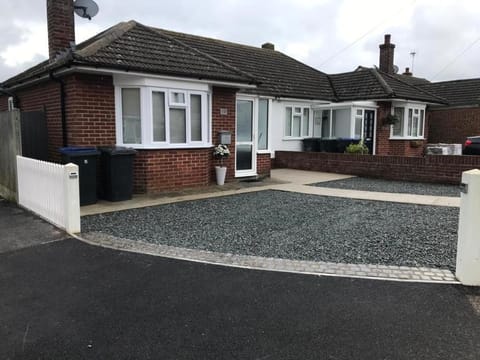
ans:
(330, 35)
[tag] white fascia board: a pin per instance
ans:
(345, 105)
(402, 102)
(106, 71)
(399, 100)
(301, 101)
(122, 80)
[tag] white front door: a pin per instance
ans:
(245, 149)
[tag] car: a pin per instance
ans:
(472, 146)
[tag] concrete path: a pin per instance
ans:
(297, 180)
(71, 300)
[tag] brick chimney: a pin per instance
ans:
(407, 72)
(386, 55)
(61, 26)
(268, 46)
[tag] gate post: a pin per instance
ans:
(71, 198)
(468, 248)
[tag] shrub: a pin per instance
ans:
(359, 148)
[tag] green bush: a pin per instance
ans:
(359, 148)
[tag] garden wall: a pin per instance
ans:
(445, 169)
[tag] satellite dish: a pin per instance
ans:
(395, 69)
(85, 8)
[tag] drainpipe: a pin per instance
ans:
(62, 107)
(16, 101)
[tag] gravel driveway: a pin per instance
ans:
(404, 187)
(295, 226)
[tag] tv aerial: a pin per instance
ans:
(86, 9)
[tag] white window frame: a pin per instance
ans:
(353, 121)
(178, 105)
(406, 108)
(269, 115)
(309, 121)
(146, 114)
(353, 106)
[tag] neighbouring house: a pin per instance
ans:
(169, 95)
(461, 117)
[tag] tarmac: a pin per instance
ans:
(64, 298)
(283, 180)
(70, 300)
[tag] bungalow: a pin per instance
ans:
(461, 117)
(169, 95)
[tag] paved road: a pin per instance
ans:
(67, 299)
(19, 228)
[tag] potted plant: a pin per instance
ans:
(390, 119)
(220, 152)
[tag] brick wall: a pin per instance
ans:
(224, 98)
(90, 111)
(433, 168)
(453, 125)
(163, 170)
(385, 146)
(264, 164)
(43, 97)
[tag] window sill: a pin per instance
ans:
(167, 147)
(292, 138)
(406, 138)
(264, 152)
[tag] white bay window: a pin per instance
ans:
(410, 122)
(152, 117)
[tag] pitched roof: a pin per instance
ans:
(457, 92)
(135, 47)
(373, 84)
(278, 74)
(412, 80)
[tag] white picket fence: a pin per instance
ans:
(51, 191)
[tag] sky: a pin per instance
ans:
(331, 35)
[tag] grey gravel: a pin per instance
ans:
(295, 226)
(403, 187)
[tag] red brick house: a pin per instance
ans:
(461, 117)
(169, 95)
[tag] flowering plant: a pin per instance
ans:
(221, 151)
(390, 119)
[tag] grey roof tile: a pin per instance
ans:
(372, 84)
(457, 92)
(140, 48)
(278, 74)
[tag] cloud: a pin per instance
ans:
(347, 33)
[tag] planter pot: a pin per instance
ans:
(220, 172)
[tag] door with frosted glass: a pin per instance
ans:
(244, 148)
